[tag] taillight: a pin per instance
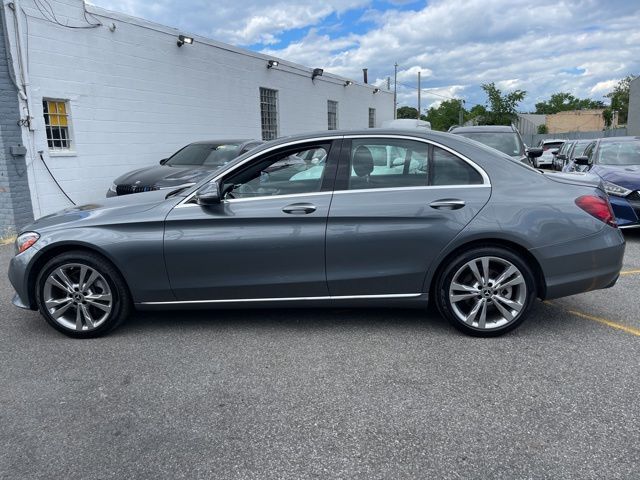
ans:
(598, 207)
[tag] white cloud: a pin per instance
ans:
(579, 46)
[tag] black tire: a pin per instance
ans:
(120, 296)
(445, 278)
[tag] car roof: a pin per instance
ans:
(617, 139)
(224, 141)
(484, 128)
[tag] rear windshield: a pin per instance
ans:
(622, 153)
(506, 142)
(551, 145)
(204, 154)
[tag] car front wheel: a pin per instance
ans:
(486, 291)
(82, 295)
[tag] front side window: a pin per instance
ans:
(286, 173)
(57, 124)
(269, 113)
(332, 114)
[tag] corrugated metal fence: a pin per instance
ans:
(532, 139)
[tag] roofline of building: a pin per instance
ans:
(160, 28)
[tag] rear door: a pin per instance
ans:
(398, 202)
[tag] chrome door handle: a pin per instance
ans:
(299, 208)
(447, 204)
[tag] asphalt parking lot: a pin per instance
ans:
(327, 394)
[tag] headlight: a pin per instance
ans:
(617, 190)
(113, 188)
(26, 241)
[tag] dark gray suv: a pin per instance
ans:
(386, 218)
(505, 139)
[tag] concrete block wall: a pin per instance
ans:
(15, 199)
(633, 120)
(135, 97)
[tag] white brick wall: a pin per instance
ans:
(135, 97)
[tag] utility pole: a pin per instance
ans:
(461, 113)
(419, 91)
(395, 92)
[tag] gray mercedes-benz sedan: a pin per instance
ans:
(377, 217)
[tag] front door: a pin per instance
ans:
(265, 240)
(397, 204)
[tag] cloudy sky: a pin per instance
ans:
(542, 46)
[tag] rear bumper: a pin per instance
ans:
(583, 265)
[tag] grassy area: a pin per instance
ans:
(7, 240)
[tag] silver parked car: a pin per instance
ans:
(375, 217)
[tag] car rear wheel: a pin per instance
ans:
(82, 295)
(486, 291)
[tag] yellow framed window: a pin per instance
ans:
(56, 122)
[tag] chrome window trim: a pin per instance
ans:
(258, 154)
(485, 178)
(475, 166)
(285, 299)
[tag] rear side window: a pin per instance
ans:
(388, 164)
(449, 169)
(398, 163)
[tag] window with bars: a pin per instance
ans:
(269, 113)
(57, 124)
(372, 118)
(332, 113)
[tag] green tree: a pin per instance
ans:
(543, 129)
(620, 98)
(409, 112)
(502, 106)
(446, 114)
(478, 112)
(564, 101)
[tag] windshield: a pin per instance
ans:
(578, 150)
(505, 142)
(622, 153)
(552, 145)
(204, 154)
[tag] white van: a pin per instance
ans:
(407, 124)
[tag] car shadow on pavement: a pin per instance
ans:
(543, 318)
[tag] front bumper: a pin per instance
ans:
(590, 263)
(19, 268)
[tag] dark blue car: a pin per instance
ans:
(617, 161)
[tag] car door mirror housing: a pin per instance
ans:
(582, 160)
(534, 152)
(209, 194)
(561, 156)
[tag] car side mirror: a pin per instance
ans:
(561, 156)
(163, 161)
(582, 160)
(209, 194)
(554, 151)
(534, 152)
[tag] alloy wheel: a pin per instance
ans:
(487, 293)
(77, 297)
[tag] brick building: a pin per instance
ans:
(578, 121)
(103, 93)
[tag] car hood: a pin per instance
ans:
(164, 176)
(148, 207)
(627, 176)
